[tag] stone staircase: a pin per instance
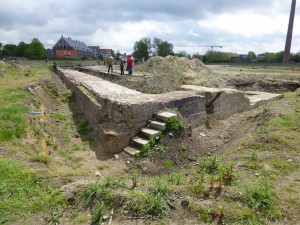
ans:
(152, 130)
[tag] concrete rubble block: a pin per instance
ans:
(158, 125)
(131, 150)
(139, 142)
(150, 133)
(258, 98)
(164, 116)
(229, 102)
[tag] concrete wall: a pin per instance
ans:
(229, 102)
(117, 113)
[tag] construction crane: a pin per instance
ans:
(197, 46)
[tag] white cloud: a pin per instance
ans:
(241, 26)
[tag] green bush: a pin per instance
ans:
(174, 123)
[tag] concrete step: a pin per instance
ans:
(150, 133)
(164, 116)
(131, 150)
(139, 142)
(158, 125)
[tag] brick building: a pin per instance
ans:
(68, 48)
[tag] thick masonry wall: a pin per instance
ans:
(117, 113)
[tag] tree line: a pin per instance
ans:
(33, 50)
(145, 48)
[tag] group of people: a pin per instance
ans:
(130, 63)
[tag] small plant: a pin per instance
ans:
(93, 193)
(54, 218)
(98, 214)
(227, 171)
(208, 164)
(144, 149)
(160, 188)
(156, 206)
(152, 142)
(134, 177)
(112, 182)
(182, 148)
(42, 158)
(174, 123)
(175, 178)
(161, 148)
(203, 215)
(169, 163)
(258, 196)
(217, 214)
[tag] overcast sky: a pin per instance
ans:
(191, 25)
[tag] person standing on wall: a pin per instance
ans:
(130, 64)
(110, 63)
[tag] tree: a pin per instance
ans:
(162, 48)
(35, 49)
(9, 50)
(142, 49)
(251, 55)
(21, 49)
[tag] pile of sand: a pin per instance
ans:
(174, 66)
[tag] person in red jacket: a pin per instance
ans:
(130, 63)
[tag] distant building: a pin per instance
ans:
(105, 53)
(68, 48)
(95, 51)
(261, 57)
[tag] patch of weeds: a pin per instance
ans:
(258, 196)
(160, 188)
(168, 163)
(66, 138)
(156, 206)
(137, 201)
(268, 171)
(282, 121)
(227, 172)
(204, 215)
(198, 187)
(65, 153)
(13, 121)
(208, 164)
(22, 192)
(174, 123)
(54, 218)
(183, 148)
(58, 116)
(160, 148)
(83, 218)
(93, 193)
(99, 213)
(75, 147)
(42, 158)
(175, 178)
(102, 167)
(51, 142)
(262, 130)
(112, 182)
(283, 165)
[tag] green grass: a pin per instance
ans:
(22, 192)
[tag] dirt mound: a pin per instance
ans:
(169, 73)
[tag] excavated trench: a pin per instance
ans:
(118, 112)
